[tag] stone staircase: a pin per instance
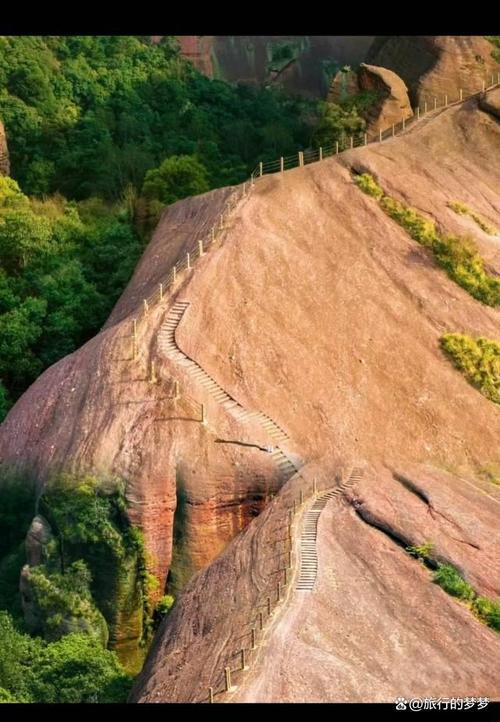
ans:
(168, 346)
(308, 555)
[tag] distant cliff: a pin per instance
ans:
(435, 65)
(301, 64)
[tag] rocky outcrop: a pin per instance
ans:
(344, 84)
(4, 152)
(392, 104)
(436, 65)
(37, 539)
(490, 102)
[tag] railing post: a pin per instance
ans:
(285, 580)
(174, 274)
(203, 415)
(445, 101)
(269, 606)
(320, 153)
(278, 592)
(254, 642)
(188, 261)
(418, 112)
(301, 158)
(200, 247)
(261, 621)
(352, 142)
(227, 679)
(161, 291)
(484, 86)
(425, 107)
(461, 94)
(336, 147)
(146, 307)
(210, 695)
(366, 138)
(243, 660)
(282, 165)
(290, 516)
(435, 103)
(289, 558)
(260, 169)
(404, 122)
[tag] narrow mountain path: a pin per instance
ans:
(170, 348)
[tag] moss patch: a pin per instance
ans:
(464, 210)
(479, 361)
(458, 256)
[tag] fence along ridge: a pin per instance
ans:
(197, 250)
(348, 142)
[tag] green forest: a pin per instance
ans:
(102, 132)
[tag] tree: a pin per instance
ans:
(177, 177)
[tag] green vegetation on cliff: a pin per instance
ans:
(463, 210)
(451, 581)
(495, 40)
(459, 257)
(73, 669)
(90, 575)
(479, 361)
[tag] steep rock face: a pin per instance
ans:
(393, 105)
(250, 58)
(344, 84)
(313, 307)
(370, 594)
(4, 152)
(436, 65)
(198, 49)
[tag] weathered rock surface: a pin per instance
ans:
(436, 65)
(375, 626)
(246, 58)
(315, 308)
(490, 102)
(4, 152)
(393, 105)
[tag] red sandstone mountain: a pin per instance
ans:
(436, 65)
(317, 311)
